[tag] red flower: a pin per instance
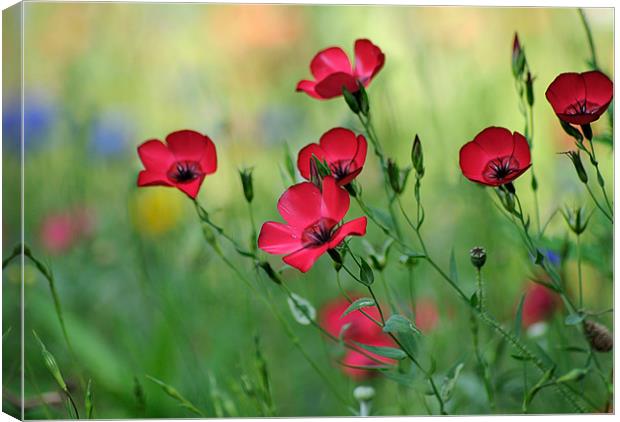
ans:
(344, 152)
(332, 70)
(183, 163)
(495, 157)
(539, 304)
(426, 315)
(580, 98)
(360, 329)
(312, 223)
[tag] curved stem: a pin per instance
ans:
(589, 36)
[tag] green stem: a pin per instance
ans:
(482, 364)
(597, 203)
(586, 26)
(480, 285)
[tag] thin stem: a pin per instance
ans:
(482, 365)
(586, 26)
(597, 204)
(579, 271)
(601, 181)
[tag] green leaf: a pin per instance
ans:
(382, 216)
(537, 387)
(575, 374)
(138, 394)
(388, 352)
(473, 300)
(519, 316)
(519, 357)
(400, 324)
(302, 310)
(173, 393)
(453, 271)
(406, 380)
(88, 401)
(574, 319)
(50, 363)
(367, 277)
(449, 382)
(362, 302)
(288, 163)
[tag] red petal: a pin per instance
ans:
(309, 88)
(339, 144)
(495, 141)
(192, 146)
(566, 89)
(155, 156)
(331, 86)
(278, 238)
(599, 88)
(360, 157)
(521, 150)
(300, 205)
(305, 158)
(335, 200)
(304, 258)
(355, 227)
(153, 178)
(191, 188)
(349, 177)
(472, 160)
(328, 61)
(368, 60)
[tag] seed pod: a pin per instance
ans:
(248, 185)
(599, 336)
(417, 157)
(478, 256)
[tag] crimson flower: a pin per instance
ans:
(332, 70)
(539, 304)
(580, 98)
(495, 157)
(312, 223)
(183, 163)
(359, 329)
(344, 153)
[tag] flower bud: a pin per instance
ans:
(518, 57)
(587, 131)
(394, 175)
(335, 255)
(351, 100)
(417, 157)
(478, 256)
(576, 219)
(599, 336)
(246, 181)
(362, 99)
(364, 393)
(529, 89)
(576, 159)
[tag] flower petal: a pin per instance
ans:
(335, 200)
(192, 187)
(521, 150)
(565, 90)
(368, 60)
(153, 178)
(278, 238)
(300, 205)
(355, 227)
(305, 158)
(495, 141)
(155, 156)
(331, 86)
(304, 258)
(328, 61)
(339, 144)
(191, 146)
(309, 88)
(472, 160)
(599, 88)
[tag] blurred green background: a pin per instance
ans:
(142, 292)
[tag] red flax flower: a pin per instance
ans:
(183, 162)
(580, 98)
(312, 223)
(359, 329)
(344, 153)
(495, 157)
(332, 70)
(539, 305)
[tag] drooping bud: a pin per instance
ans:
(417, 157)
(518, 57)
(248, 186)
(579, 168)
(599, 336)
(529, 89)
(478, 256)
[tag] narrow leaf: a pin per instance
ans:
(519, 316)
(388, 352)
(574, 319)
(400, 324)
(88, 401)
(367, 277)
(453, 271)
(447, 388)
(362, 302)
(302, 310)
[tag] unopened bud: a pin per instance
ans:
(364, 393)
(518, 57)
(529, 89)
(599, 336)
(248, 185)
(417, 157)
(335, 255)
(579, 168)
(351, 100)
(394, 175)
(478, 256)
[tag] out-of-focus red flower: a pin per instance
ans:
(59, 232)
(182, 162)
(426, 315)
(539, 304)
(580, 98)
(332, 70)
(344, 153)
(495, 157)
(360, 329)
(312, 223)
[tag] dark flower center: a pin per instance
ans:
(184, 171)
(582, 107)
(340, 169)
(319, 233)
(501, 168)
